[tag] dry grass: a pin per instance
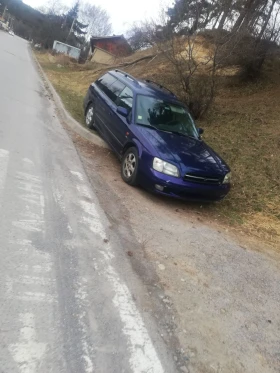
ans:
(243, 127)
(56, 61)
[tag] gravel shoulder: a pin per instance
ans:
(216, 296)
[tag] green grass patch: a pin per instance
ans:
(73, 102)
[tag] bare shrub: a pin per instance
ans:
(194, 68)
(200, 95)
(244, 51)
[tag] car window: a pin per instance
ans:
(105, 82)
(125, 99)
(165, 116)
(115, 89)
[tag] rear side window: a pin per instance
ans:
(105, 82)
(125, 99)
(111, 86)
(115, 89)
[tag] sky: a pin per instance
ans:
(123, 12)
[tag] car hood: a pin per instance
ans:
(191, 155)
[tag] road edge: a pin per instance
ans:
(65, 115)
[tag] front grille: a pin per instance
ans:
(202, 179)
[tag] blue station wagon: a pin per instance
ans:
(155, 137)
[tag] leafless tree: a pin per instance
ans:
(53, 7)
(97, 19)
(194, 72)
(138, 37)
(239, 34)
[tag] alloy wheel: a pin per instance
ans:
(89, 116)
(129, 165)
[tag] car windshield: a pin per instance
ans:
(164, 116)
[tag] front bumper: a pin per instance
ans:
(178, 188)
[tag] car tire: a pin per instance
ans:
(129, 167)
(89, 117)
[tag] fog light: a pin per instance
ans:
(159, 187)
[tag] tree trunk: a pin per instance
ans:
(205, 23)
(245, 12)
(196, 21)
(264, 26)
(273, 35)
(216, 21)
(256, 15)
(226, 10)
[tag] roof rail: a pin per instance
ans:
(127, 76)
(160, 86)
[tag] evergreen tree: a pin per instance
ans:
(76, 30)
(190, 15)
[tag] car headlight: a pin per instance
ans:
(227, 178)
(165, 167)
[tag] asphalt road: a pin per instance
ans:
(70, 302)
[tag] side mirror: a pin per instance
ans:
(200, 131)
(122, 111)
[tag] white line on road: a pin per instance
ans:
(28, 161)
(31, 191)
(82, 295)
(36, 297)
(84, 191)
(93, 219)
(42, 202)
(29, 225)
(78, 175)
(39, 268)
(29, 177)
(33, 280)
(30, 186)
(143, 356)
(28, 352)
(4, 159)
(58, 197)
(31, 284)
(14, 290)
(30, 199)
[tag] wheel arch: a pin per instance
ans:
(133, 144)
(87, 106)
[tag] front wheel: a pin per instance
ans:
(129, 168)
(90, 116)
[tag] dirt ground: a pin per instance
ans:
(216, 296)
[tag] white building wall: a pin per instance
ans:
(103, 57)
(70, 51)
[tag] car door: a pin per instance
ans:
(111, 116)
(120, 123)
(102, 103)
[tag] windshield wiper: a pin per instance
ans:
(183, 134)
(152, 127)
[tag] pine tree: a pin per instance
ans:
(190, 15)
(77, 30)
